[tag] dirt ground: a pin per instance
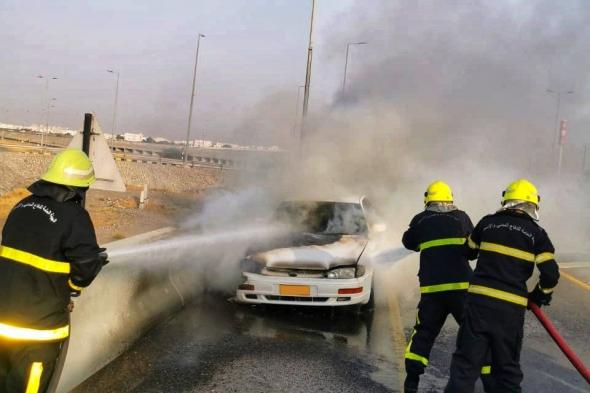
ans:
(175, 193)
(117, 215)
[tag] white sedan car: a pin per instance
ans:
(322, 262)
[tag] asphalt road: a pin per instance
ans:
(214, 345)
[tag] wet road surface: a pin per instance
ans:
(214, 345)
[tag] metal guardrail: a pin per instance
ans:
(213, 158)
(29, 148)
(121, 157)
(170, 161)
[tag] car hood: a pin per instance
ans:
(344, 251)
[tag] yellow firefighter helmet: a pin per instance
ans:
(438, 192)
(71, 167)
(521, 190)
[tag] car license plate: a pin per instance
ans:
(294, 290)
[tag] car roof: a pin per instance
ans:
(337, 199)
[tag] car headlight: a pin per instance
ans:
(343, 272)
(360, 271)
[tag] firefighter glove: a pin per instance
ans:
(539, 297)
(104, 257)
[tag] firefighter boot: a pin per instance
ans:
(411, 383)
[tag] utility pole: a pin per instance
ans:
(47, 79)
(346, 63)
(562, 136)
(49, 106)
(190, 112)
(585, 161)
(114, 72)
(560, 126)
(308, 71)
(558, 95)
(297, 108)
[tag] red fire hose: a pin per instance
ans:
(565, 348)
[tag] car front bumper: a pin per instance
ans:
(322, 291)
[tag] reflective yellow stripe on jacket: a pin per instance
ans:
(26, 334)
(452, 241)
(74, 286)
(35, 261)
(504, 250)
(498, 294)
(34, 382)
(453, 286)
(544, 257)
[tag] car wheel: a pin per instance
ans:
(353, 311)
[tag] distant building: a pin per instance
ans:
(130, 137)
(201, 143)
(60, 130)
(12, 126)
(40, 128)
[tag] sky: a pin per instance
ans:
(252, 48)
(475, 69)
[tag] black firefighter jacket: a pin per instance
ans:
(508, 245)
(440, 236)
(48, 250)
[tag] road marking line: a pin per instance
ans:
(576, 281)
(397, 333)
(574, 265)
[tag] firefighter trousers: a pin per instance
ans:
(488, 325)
(433, 310)
(26, 367)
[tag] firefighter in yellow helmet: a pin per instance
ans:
(48, 253)
(509, 244)
(439, 233)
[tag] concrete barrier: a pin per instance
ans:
(125, 300)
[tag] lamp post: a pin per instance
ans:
(114, 72)
(308, 71)
(190, 112)
(556, 139)
(297, 108)
(49, 107)
(47, 79)
(558, 95)
(346, 62)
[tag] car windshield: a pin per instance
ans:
(323, 217)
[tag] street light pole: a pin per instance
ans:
(558, 94)
(190, 112)
(346, 63)
(47, 79)
(49, 106)
(114, 72)
(556, 139)
(297, 108)
(308, 71)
